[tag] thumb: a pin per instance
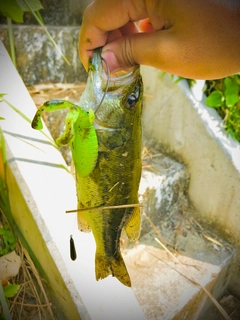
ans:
(140, 48)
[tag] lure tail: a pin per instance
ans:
(104, 266)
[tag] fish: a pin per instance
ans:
(104, 131)
(115, 179)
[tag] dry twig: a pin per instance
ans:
(188, 274)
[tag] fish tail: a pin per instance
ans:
(115, 266)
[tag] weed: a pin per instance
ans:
(7, 240)
(14, 10)
(223, 95)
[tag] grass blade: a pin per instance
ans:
(36, 16)
(194, 280)
(4, 305)
(28, 120)
(11, 41)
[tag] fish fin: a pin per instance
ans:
(133, 227)
(115, 265)
(82, 222)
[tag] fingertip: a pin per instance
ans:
(119, 56)
(84, 57)
(111, 60)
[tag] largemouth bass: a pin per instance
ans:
(105, 136)
(116, 176)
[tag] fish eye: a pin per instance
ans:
(131, 100)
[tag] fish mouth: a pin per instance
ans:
(109, 81)
(120, 75)
(101, 85)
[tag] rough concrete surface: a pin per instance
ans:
(186, 127)
(39, 61)
(164, 287)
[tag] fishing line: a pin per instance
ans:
(107, 84)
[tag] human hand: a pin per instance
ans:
(197, 39)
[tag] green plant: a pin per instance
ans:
(7, 240)
(7, 291)
(190, 82)
(224, 96)
(14, 10)
(176, 79)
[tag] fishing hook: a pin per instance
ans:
(107, 84)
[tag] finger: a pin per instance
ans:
(113, 35)
(129, 28)
(101, 17)
(95, 26)
(139, 48)
(170, 52)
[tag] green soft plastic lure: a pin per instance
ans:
(79, 133)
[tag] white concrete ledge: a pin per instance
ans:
(179, 121)
(213, 123)
(40, 191)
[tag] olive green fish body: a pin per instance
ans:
(116, 176)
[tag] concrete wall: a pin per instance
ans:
(57, 13)
(37, 59)
(193, 132)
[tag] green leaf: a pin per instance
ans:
(4, 251)
(34, 4)
(2, 153)
(179, 79)
(236, 78)
(191, 82)
(39, 20)
(215, 99)
(12, 246)
(39, 17)
(230, 92)
(12, 10)
(10, 290)
(11, 240)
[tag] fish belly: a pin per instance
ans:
(113, 182)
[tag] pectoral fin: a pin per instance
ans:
(133, 227)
